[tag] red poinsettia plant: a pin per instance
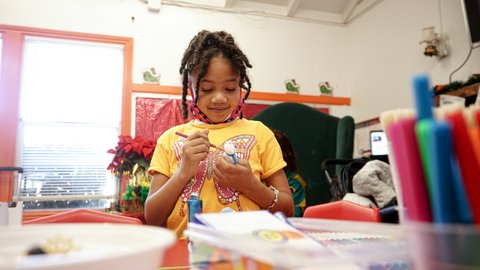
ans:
(131, 153)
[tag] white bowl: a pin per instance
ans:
(98, 246)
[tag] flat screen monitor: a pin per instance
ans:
(378, 143)
(471, 12)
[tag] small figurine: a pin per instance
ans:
(150, 76)
(292, 86)
(229, 149)
(325, 89)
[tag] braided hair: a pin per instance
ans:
(202, 48)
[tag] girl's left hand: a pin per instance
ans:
(235, 176)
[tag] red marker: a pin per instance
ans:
(467, 160)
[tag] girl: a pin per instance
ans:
(295, 181)
(213, 69)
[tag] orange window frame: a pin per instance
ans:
(10, 73)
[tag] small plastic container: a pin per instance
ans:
(444, 246)
(195, 206)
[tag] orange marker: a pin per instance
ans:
(467, 160)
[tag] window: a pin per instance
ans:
(64, 99)
(70, 112)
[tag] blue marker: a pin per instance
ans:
(444, 205)
(423, 97)
(195, 206)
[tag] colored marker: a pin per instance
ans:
(467, 160)
(409, 169)
(442, 200)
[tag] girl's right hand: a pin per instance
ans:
(195, 149)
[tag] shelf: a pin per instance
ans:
(467, 91)
(176, 90)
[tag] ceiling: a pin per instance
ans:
(336, 12)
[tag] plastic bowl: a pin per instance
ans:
(93, 246)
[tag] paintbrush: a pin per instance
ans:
(186, 136)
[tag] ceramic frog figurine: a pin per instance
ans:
(292, 86)
(325, 88)
(150, 76)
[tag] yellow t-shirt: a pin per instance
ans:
(253, 141)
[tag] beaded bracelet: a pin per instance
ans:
(275, 198)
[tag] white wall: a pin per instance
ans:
(385, 53)
(278, 49)
(371, 61)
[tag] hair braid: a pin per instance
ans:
(184, 95)
(201, 49)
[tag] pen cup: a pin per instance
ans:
(444, 246)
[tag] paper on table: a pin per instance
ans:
(261, 235)
(265, 238)
(260, 225)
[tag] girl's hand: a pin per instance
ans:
(241, 178)
(195, 149)
(237, 176)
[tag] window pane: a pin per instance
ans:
(75, 82)
(70, 113)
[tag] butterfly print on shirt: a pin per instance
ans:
(225, 195)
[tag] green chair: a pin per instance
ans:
(315, 136)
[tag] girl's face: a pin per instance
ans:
(219, 92)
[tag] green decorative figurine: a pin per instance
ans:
(325, 89)
(292, 86)
(150, 76)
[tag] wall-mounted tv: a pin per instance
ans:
(471, 11)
